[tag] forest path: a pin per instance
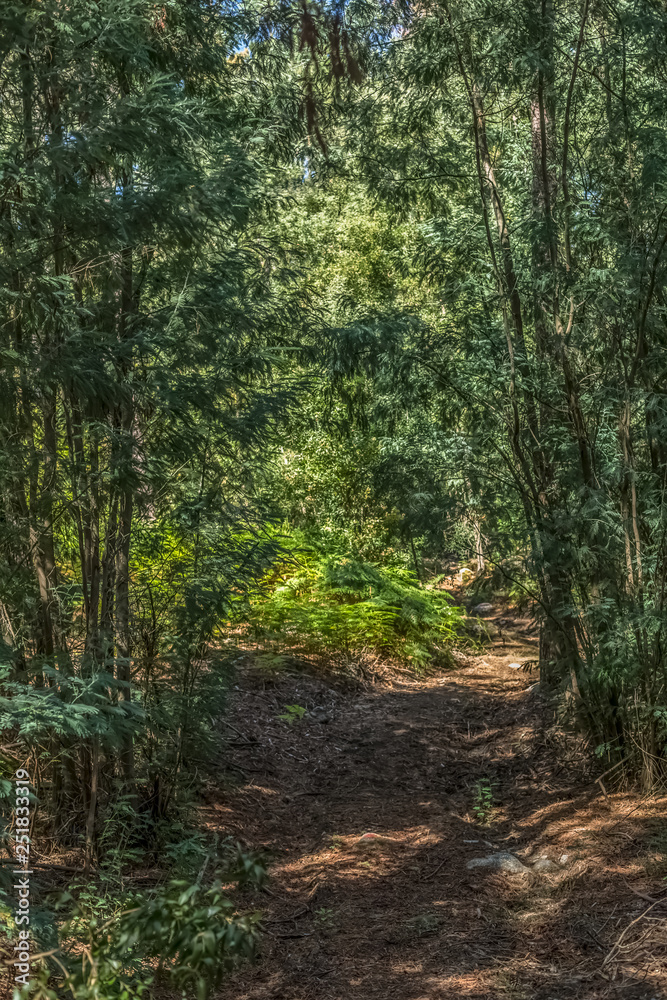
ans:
(404, 918)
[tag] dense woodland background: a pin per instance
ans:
(300, 305)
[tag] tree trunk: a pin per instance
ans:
(126, 504)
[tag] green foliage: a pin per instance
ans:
(344, 606)
(522, 397)
(483, 801)
(442, 340)
(184, 936)
(70, 707)
(325, 917)
(148, 316)
(293, 713)
(184, 695)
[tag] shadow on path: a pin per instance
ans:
(402, 917)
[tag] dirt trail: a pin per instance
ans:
(403, 917)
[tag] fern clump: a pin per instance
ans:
(335, 606)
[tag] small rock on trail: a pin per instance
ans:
(502, 861)
(545, 866)
(483, 609)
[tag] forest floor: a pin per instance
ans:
(403, 918)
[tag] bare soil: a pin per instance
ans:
(399, 915)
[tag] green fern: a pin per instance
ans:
(349, 607)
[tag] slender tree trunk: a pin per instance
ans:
(109, 579)
(91, 814)
(479, 545)
(123, 635)
(93, 552)
(126, 504)
(415, 559)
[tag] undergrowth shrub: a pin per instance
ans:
(343, 606)
(183, 935)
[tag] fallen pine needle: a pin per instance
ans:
(614, 951)
(434, 872)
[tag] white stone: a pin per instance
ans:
(501, 862)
